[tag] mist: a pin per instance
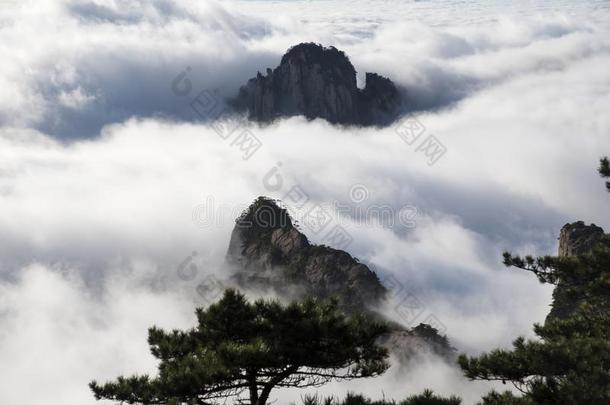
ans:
(110, 179)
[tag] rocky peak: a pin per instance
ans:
(421, 340)
(267, 251)
(263, 237)
(332, 63)
(319, 82)
(379, 99)
(577, 238)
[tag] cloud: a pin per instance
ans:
(57, 335)
(121, 57)
(109, 180)
(430, 373)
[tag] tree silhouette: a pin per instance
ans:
(570, 362)
(242, 349)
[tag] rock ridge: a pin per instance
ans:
(268, 252)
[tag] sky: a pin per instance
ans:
(115, 168)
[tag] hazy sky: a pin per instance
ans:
(109, 179)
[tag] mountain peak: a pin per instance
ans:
(319, 82)
(578, 238)
(328, 58)
(267, 251)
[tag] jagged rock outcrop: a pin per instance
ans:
(420, 341)
(577, 238)
(268, 252)
(319, 82)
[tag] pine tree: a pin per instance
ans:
(570, 362)
(604, 170)
(242, 349)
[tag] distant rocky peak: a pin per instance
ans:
(319, 82)
(330, 59)
(578, 238)
(575, 239)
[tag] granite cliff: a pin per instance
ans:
(575, 239)
(319, 82)
(578, 239)
(268, 252)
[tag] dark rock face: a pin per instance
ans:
(319, 82)
(577, 238)
(268, 251)
(421, 340)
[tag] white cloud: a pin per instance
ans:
(101, 166)
(58, 335)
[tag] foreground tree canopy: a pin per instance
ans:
(241, 348)
(570, 362)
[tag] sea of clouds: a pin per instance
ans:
(110, 180)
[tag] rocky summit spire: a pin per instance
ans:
(319, 82)
(267, 251)
(577, 238)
